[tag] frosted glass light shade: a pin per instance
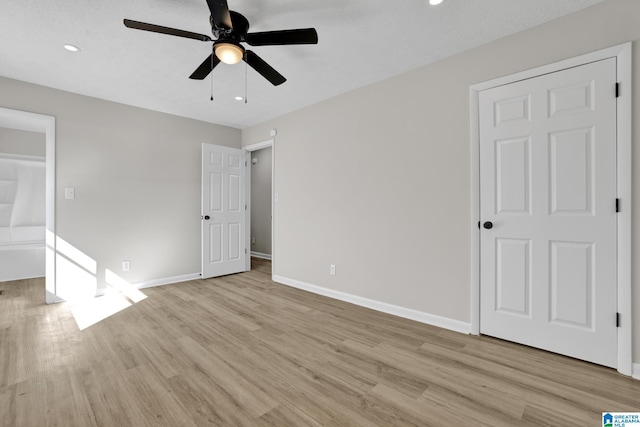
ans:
(228, 53)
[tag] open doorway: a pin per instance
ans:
(22, 204)
(260, 193)
(261, 203)
(16, 120)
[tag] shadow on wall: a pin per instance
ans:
(77, 284)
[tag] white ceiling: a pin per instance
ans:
(360, 42)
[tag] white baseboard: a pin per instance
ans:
(635, 374)
(260, 255)
(167, 281)
(26, 277)
(418, 316)
(141, 285)
(51, 298)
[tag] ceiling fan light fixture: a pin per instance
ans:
(228, 53)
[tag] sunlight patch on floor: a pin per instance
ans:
(118, 284)
(77, 284)
(90, 311)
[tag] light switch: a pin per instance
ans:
(70, 193)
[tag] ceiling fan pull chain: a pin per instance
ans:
(246, 67)
(212, 78)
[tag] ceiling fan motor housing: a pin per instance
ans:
(237, 33)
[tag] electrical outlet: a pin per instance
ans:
(126, 265)
(253, 240)
(332, 270)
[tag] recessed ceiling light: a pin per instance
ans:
(71, 48)
(435, 2)
(239, 98)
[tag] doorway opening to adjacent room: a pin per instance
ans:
(32, 122)
(261, 196)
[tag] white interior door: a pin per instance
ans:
(547, 192)
(223, 211)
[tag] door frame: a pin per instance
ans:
(249, 149)
(24, 120)
(622, 53)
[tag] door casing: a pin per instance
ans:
(622, 53)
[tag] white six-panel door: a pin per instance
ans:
(223, 211)
(547, 192)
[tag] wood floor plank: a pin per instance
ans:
(413, 411)
(286, 416)
(247, 396)
(242, 350)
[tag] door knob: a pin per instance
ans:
(488, 225)
(207, 217)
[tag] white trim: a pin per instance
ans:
(625, 241)
(250, 148)
(610, 52)
(260, 255)
(622, 53)
(38, 244)
(153, 283)
(260, 145)
(418, 316)
(475, 210)
(23, 278)
(636, 371)
(167, 281)
(23, 120)
(50, 223)
(247, 218)
(22, 157)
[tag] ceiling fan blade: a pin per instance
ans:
(263, 68)
(165, 30)
(283, 37)
(205, 68)
(220, 14)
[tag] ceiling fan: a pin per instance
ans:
(230, 29)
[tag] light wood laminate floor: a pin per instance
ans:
(243, 350)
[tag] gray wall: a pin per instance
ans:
(136, 175)
(377, 181)
(261, 201)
